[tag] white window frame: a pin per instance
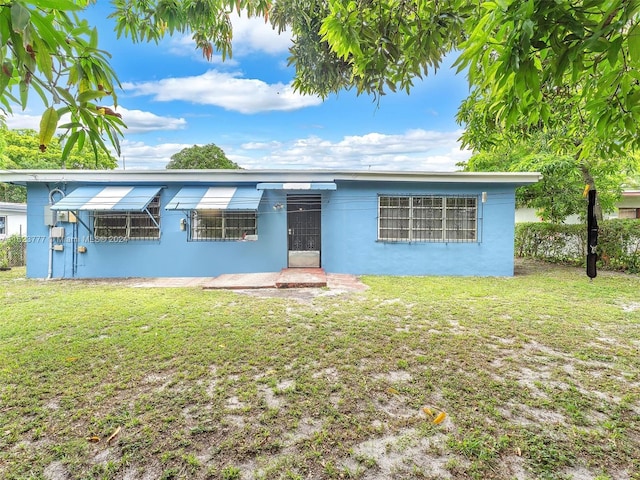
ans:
(428, 218)
(133, 225)
(228, 228)
(3, 225)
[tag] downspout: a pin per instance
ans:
(50, 269)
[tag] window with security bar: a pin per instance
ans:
(208, 225)
(118, 226)
(427, 218)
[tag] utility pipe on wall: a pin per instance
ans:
(50, 269)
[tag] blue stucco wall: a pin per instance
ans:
(350, 233)
(349, 245)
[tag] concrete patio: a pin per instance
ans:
(286, 278)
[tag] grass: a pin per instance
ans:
(539, 376)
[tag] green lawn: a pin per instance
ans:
(539, 376)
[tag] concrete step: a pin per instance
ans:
(301, 277)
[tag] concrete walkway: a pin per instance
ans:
(287, 278)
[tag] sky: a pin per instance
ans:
(173, 98)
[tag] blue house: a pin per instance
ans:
(202, 223)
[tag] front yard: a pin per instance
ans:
(539, 376)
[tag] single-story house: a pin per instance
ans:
(200, 223)
(13, 219)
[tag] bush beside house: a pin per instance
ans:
(618, 243)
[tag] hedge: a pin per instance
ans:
(618, 243)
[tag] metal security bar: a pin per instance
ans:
(428, 218)
(304, 222)
(116, 226)
(207, 225)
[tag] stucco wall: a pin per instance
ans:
(350, 233)
(349, 245)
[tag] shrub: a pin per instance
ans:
(12, 251)
(618, 243)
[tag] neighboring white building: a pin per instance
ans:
(628, 207)
(13, 219)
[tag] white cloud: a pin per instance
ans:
(137, 121)
(225, 90)
(22, 120)
(254, 35)
(250, 35)
(184, 46)
(419, 150)
(140, 156)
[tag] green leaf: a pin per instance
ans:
(24, 93)
(63, 4)
(20, 17)
(43, 59)
(81, 138)
(90, 95)
(68, 145)
(633, 40)
(64, 93)
(48, 125)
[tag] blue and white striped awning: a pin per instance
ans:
(100, 198)
(298, 186)
(216, 198)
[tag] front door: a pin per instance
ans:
(303, 224)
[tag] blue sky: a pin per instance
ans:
(173, 98)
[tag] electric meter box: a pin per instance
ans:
(57, 232)
(50, 216)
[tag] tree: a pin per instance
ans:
(372, 46)
(206, 157)
(524, 55)
(559, 193)
(47, 49)
(19, 150)
(517, 53)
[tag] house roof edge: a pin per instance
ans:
(207, 176)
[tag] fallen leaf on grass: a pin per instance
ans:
(113, 435)
(393, 391)
(93, 439)
(440, 418)
(428, 411)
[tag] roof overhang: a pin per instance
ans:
(216, 198)
(298, 186)
(110, 198)
(196, 177)
(13, 207)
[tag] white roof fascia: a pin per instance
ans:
(255, 176)
(13, 207)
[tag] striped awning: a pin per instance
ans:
(100, 198)
(216, 198)
(298, 186)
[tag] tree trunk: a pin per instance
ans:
(588, 180)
